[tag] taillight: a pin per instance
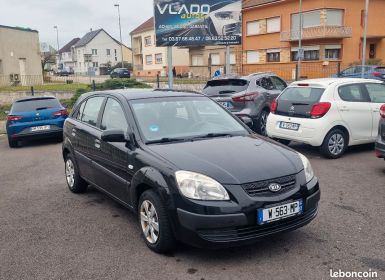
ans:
(376, 74)
(273, 106)
(61, 113)
(320, 109)
(382, 111)
(245, 97)
(14, 118)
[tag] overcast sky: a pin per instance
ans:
(75, 17)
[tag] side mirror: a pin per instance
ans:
(6, 112)
(114, 135)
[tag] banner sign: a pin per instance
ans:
(197, 22)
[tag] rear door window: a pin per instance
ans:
(376, 92)
(352, 93)
(228, 86)
(266, 83)
(91, 110)
(35, 104)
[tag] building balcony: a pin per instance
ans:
(137, 51)
(318, 32)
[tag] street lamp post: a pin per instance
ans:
(299, 52)
(120, 31)
(58, 48)
(364, 38)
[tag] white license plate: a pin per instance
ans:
(275, 213)
(289, 125)
(226, 104)
(40, 128)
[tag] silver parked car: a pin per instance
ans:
(247, 97)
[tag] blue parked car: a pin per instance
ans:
(35, 117)
(370, 72)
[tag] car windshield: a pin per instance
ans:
(183, 118)
(225, 86)
(307, 95)
(35, 104)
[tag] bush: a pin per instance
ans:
(120, 84)
(3, 108)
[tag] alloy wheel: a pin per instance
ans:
(70, 173)
(262, 123)
(336, 144)
(149, 221)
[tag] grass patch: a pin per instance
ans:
(46, 87)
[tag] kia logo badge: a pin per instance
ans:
(274, 187)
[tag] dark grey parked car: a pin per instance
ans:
(247, 97)
(380, 143)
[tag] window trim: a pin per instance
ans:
(99, 115)
(145, 41)
(280, 24)
(156, 62)
(259, 27)
(104, 108)
(152, 61)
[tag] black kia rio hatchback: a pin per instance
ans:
(190, 170)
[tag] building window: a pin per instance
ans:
(273, 25)
(148, 59)
(309, 19)
(115, 52)
(310, 53)
(252, 57)
(108, 51)
(372, 51)
(158, 58)
(94, 51)
(252, 28)
(116, 58)
(334, 17)
(232, 58)
(147, 41)
(95, 64)
(273, 55)
(332, 52)
(196, 60)
(215, 59)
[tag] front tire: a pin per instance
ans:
(334, 144)
(154, 223)
(75, 183)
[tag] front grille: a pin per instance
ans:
(257, 231)
(261, 188)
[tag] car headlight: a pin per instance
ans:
(197, 186)
(309, 173)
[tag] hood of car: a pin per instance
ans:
(232, 160)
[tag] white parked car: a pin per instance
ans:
(331, 113)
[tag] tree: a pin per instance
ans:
(47, 58)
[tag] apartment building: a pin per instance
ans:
(20, 61)
(332, 33)
(65, 58)
(96, 51)
(149, 60)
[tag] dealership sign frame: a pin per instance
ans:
(186, 23)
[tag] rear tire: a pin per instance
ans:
(260, 126)
(334, 144)
(75, 183)
(154, 223)
(12, 143)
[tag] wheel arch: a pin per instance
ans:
(343, 128)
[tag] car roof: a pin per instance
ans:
(248, 77)
(325, 82)
(133, 94)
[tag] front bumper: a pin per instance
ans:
(231, 229)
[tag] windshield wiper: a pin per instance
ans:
(166, 140)
(213, 135)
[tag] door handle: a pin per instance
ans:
(344, 109)
(97, 143)
(376, 110)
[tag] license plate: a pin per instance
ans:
(226, 104)
(283, 211)
(40, 128)
(289, 125)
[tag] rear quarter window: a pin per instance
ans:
(352, 93)
(35, 104)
